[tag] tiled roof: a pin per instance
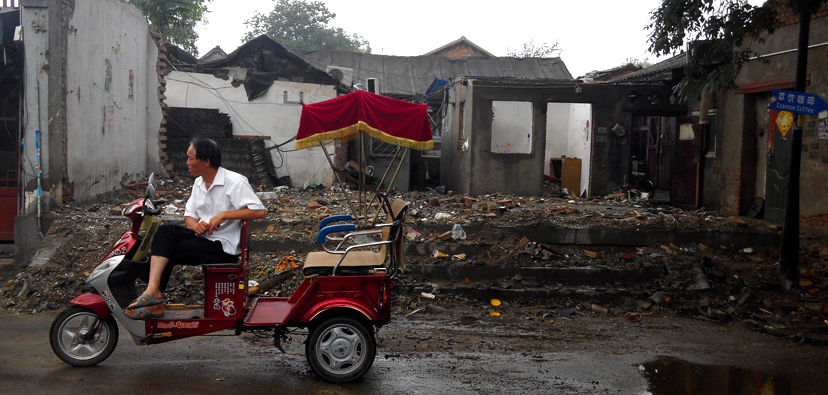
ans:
(655, 71)
(412, 75)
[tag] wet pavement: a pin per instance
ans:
(670, 375)
(431, 354)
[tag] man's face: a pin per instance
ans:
(194, 165)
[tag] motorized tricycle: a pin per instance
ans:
(344, 296)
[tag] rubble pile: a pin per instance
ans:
(708, 282)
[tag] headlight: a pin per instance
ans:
(103, 267)
(130, 209)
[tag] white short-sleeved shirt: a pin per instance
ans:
(229, 191)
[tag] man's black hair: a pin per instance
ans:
(206, 149)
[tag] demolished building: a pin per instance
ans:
(260, 87)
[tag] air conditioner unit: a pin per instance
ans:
(343, 74)
(373, 85)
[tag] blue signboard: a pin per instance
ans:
(797, 102)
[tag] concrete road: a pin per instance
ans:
(430, 356)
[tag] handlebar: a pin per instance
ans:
(152, 207)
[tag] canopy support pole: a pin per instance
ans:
(394, 178)
(362, 176)
(341, 184)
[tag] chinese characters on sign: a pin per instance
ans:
(797, 102)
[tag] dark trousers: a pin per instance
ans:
(182, 247)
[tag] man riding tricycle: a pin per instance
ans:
(346, 291)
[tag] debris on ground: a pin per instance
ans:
(709, 282)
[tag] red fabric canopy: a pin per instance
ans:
(383, 118)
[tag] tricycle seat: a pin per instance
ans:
(361, 258)
(243, 257)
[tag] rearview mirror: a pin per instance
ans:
(151, 192)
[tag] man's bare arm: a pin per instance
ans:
(245, 214)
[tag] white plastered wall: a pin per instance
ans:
(267, 115)
(568, 133)
(113, 114)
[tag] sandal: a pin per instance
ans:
(142, 314)
(150, 301)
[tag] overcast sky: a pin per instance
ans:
(593, 34)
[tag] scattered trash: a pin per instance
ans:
(458, 257)
(442, 216)
(457, 232)
(427, 295)
(495, 302)
(416, 311)
(599, 309)
(438, 254)
(411, 234)
(494, 314)
(286, 262)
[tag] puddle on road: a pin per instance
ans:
(668, 375)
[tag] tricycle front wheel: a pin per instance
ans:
(80, 338)
(340, 349)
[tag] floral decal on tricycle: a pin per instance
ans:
(227, 306)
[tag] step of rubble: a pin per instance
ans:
(594, 276)
(557, 236)
(539, 234)
(611, 296)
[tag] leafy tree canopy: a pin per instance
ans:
(725, 28)
(300, 24)
(530, 50)
(174, 20)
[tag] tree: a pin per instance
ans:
(728, 27)
(540, 51)
(724, 27)
(174, 20)
(299, 24)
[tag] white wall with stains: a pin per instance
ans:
(107, 132)
(113, 113)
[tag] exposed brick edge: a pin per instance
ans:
(162, 68)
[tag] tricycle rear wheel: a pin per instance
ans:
(340, 349)
(71, 340)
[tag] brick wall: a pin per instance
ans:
(787, 17)
(460, 51)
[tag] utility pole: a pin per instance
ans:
(789, 250)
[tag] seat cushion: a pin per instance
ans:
(360, 259)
